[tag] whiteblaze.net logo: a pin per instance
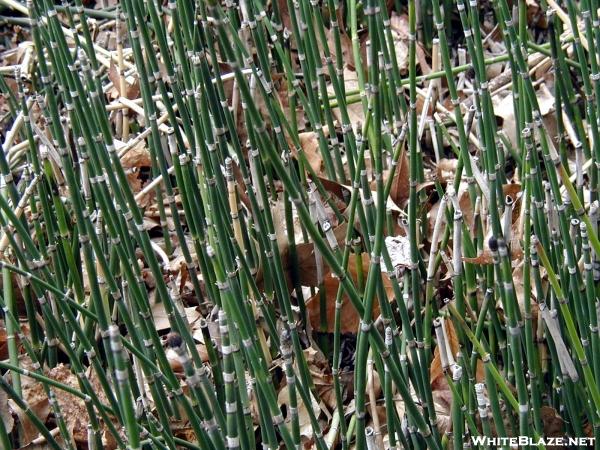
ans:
(526, 441)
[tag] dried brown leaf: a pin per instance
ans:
(553, 424)
(3, 341)
(401, 183)
(346, 46)
(5, 414)
(175, 361)
(398, 248)
(161, 319)
(132, 89)
(400, 33)
(310, 146)
(42, 444)
(518, 280)
(355, 110)
(72, 408)
(306, 430)
(445, 169)
(135, 161)
(439, 384)
(320, 372)
(307, 268)
(349, 317)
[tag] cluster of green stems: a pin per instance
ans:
(214, 196)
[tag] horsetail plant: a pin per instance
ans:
(299, 223)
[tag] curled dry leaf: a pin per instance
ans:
(320, 372)
(340, 191)
(285, 14)
(310, 146)
(512, 189)
(554, 424)
(546, 100)
(41, 443)
(399, 191)
(183, 430)
(436, 372)
(4, 337)
(3, 341)
(178, 259)
(422, 61)
(535, 14)
(494, 49)
(37, 402)
(504, 110)
(280, 224)
(442, 400)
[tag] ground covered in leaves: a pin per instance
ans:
(154, 141)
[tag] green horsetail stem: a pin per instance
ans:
(224, 91)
